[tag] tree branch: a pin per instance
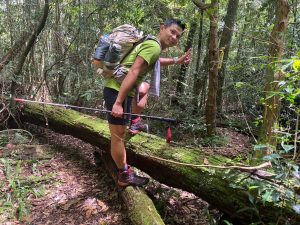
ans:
(201, 5)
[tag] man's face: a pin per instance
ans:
(170, 36)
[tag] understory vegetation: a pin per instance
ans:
(47, 52)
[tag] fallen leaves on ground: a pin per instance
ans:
(75, 195)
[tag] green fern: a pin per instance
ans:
(19, 139)
(39, 192)
(7, 168)
(15, 202)
(22, 211)
(4, 140)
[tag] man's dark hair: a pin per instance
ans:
(179, 22)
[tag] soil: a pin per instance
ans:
(75, 191)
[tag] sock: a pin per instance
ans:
(122, 170)
(134, 119)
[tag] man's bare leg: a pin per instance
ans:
(143, 94)
(125, 176)
(136, 124)
(118, 152)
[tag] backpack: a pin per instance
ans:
(112, 49)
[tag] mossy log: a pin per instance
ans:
(140, 207)
(95, 131)
(210, 184)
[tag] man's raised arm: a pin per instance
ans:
(185, 59)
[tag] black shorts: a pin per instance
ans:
(110, 97)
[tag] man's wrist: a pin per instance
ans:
(117, 102)
(175, 60)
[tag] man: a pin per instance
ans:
(140, 61)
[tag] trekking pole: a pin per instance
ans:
(98, 110)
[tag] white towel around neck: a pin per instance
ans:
(155, 80)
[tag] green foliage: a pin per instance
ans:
(289, 92)
(3, 140)
(296, 65)
(207, 214)
(16, 202)
(215, 141)
(87, 94)
(238, 158)
(163, 195)
(19, 139)
(267, 193)
(285, 170)
(15, 137)
(62, 61)
(104, 177)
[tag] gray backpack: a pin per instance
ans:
(112, 49)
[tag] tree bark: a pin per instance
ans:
(204, 75)
(9, 56)
(197, 86)
(272, 103)
(182, 73)
(211, 104)
(225, 42)
(295, 25)
(181, 77)
(201, 5)
(212, 185)
(58, 46)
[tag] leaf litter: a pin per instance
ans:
(79, 192)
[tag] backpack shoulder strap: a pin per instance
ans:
(153, 39)
(142, 40)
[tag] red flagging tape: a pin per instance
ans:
(169, 135)
(18, 99)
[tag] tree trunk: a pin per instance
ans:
(197, 77)
(9, 56)
(24, 54)
(101, 21)
(240, 41)
(58, 52)
(272, 104)
(213, 59)
(182, 73)
(9, 20)
(204, 76)
(295, 27)
(212, 185)
(225, 42)
(182, 77)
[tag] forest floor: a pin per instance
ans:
(54, 180)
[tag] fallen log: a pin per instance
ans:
(211, 184)
(140, 208)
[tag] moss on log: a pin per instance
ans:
(95, 131)
(141, 209)
(212, 185)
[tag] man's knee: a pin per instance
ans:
(121, 134)
(144, 88)
(118, 132)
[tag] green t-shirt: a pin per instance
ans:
(149, 51)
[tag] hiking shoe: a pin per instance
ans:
(128, 177)
(137, 125)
